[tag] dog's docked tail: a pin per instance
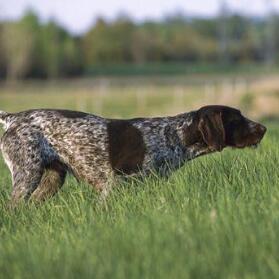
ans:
(3, 118)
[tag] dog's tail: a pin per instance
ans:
(4, 117)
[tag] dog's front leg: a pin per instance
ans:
(100, 179)
(105, 186)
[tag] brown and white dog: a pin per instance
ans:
(41, 146)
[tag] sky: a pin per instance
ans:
(78, 15)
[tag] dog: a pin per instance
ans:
(41, 146)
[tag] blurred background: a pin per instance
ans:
(140, 58)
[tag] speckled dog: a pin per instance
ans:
(41, 146)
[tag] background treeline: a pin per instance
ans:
(30, 49)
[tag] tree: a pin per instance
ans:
(72, 57)
(109, 43)
(223, 32)
(17, 39)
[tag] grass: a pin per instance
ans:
(217, 217)
(177, 68)
(258, 94)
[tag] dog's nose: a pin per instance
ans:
(261, 129)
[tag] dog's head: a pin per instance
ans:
(217, 127)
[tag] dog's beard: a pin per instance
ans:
(254, 146)
(198, 149)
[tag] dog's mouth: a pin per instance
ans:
(252, 145)
(255, 144)
(249, 145)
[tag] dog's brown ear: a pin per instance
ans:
(212, 130)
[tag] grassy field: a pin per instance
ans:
(217, 217)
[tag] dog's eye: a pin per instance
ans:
(234, 121)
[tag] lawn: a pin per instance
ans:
(217, 217)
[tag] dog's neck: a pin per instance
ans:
(177, 153)
(190, 126)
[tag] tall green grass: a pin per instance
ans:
(217, 217)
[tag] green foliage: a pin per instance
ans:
(217, 217)
(60, 53)
(109, 43)
(17, 44)
(29, 48)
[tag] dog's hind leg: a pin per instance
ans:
(24, 183)
(52, 180)
(23, 155)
